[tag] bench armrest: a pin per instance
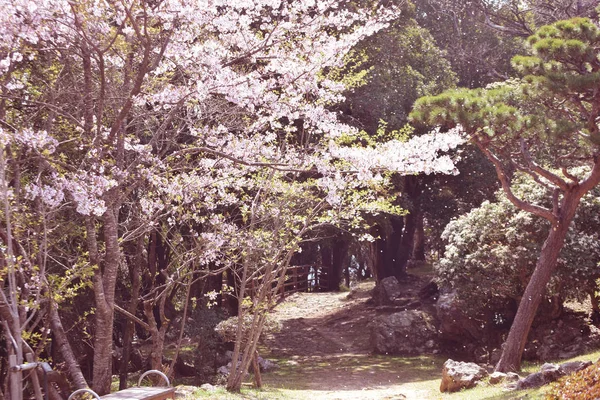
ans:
(154, 371)
(78, 391)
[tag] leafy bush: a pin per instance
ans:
(201, 328)
(582, 385)
(226, 329)
(492, 250)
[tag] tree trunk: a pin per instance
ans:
(256, 370)
(327, 276)
(104, 291)
(387, 249)
(65, 349)
(135, 275)
(418, 252)
(404, 250)
(157, 334)
(546, 265)
(102, 370)
(412, 187)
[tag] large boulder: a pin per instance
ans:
(387, 291)
(498, 377)
(456, 323)
(458, 375)
(408, 332)
(471, 330)
(267, 365)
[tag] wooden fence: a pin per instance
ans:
(304, 278)
(299, 278)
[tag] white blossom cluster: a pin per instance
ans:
(242, 81)
(420, 154)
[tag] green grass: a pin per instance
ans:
(304, 378)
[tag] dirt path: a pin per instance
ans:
(324, 351)
(319, 324)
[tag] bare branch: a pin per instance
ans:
(502, 176)
(132, 317)
(231, 158)
(593, 179)
(568, 175)
(555, 179)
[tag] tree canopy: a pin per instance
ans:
(148, 145)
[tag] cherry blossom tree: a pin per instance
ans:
(207, 119)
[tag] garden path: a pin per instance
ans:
(324, 352)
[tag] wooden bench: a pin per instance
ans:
(136, 393)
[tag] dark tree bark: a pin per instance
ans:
(534, 292)
(105, 280)
(231, 300)
(326, 277)
(395, 241)
(256, 370)
(62, 343)
(338, 260)
(418, 251)
(404, 251)
(135, 276)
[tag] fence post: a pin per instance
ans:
(15, 376)
(295, 279)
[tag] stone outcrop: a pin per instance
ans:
(456, 324)
(458, 375)
(531, 381)
(549, 373)
(563, 338)
(408, 332)
(571, 367)
(387, 291)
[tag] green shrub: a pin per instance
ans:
(492, 250)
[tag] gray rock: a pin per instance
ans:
(456, 324)
(207, 387)
(512, 377)
(457, 375)
(388, 290)
(409, 332)
(497, 377)
(551, 372)
(573, 366)
(224, 370)
(267, 365)
(531, 381)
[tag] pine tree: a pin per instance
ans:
(542, 125)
